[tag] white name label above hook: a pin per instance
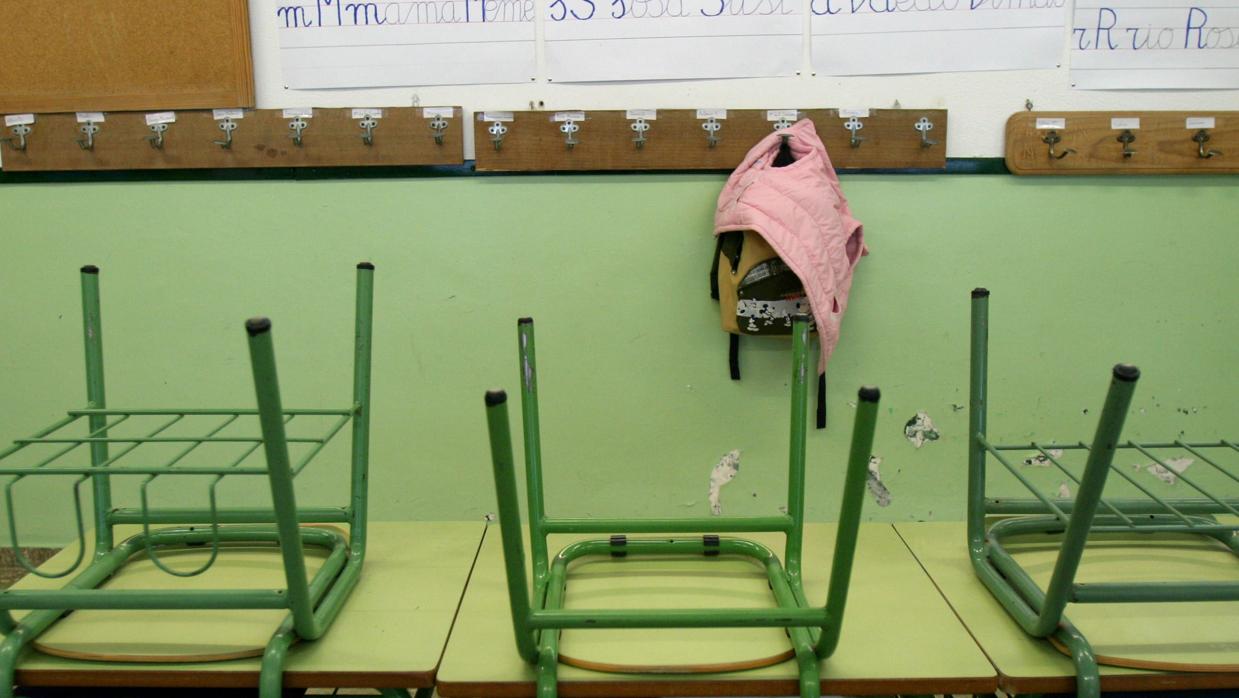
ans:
(162, 117)
(496, 116)
(437, 112)
(711, 113)
(18, 119)
(1199, 122)
(647, 114)
(221, 114)
(1125, 123)
(367, 113)
(299, 113)
(1051, 124)
(568, 116)
(89, 117)
(854, 113)
(781, 114)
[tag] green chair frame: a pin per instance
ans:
(813, 630)
(1041, 613)
(312, 603)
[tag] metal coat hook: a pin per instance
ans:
(640, 127)
(156, 140)
(88, 129)
(854, 125)
(297, 125)
(1052, 139)
(924, 125)
(368, 124)
(497, 131)
(782, 124)
(227, 126)
(570, 128)
(1202, 137)
(438, 125)
(712, 126)
(21, 131)
(1127, 138)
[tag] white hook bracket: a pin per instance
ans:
(570, 128)
(368, 124)
(640, 127)
(924, 125)
(438, 126)
(854, 125)
(227, 126)
(89, 130)
(497, 131)
(712, 126)
(20, 131)
(158, 130)
(297, 125)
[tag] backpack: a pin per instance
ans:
(758, 294)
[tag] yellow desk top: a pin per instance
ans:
(898, 633)
(1183, 632)
(390, 633)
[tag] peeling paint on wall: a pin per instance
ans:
(1171, 476)
(881, 495)
(1040, 460)
(920, 429)
(720, 475)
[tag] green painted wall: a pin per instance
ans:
(637, 406)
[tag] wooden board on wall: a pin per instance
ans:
(1163, 142)
(111, 55)
(262, 139)
(676, 141)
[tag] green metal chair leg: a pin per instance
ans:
(806, 662)
(271, 675)
(1088, 677)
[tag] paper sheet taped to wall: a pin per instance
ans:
(875, 37)
(611, 40)
(333, 43)
(1155, 44)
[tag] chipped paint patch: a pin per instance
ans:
(1064, 492)
(526, 367)
(1169, 476)
(720, 475)
(881, 495)
(1040, 460)
(920, 429)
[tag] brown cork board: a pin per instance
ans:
(105, 55)
(677, 141)
(262, 138)
(1088, 143)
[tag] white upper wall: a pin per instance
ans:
(979, 103)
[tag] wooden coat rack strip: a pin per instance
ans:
(1161, 142)
(262, 138)
(676, 140)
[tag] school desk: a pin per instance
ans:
(389, 635)
(899, 636)
(1204, 633)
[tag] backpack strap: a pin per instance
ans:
(718, 251)
(733, 355)
(821, 401)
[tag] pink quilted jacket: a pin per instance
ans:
(800, 211)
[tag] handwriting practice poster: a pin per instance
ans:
(1155, 44)
(333, 43)
(603, 40)
(875, 37)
